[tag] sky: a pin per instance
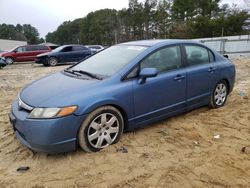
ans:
(47, 15)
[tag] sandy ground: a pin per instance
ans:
(178, 152)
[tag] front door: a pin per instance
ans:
(165, 93)
(22, 54)
(66, 54)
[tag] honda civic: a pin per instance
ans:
(126, 86)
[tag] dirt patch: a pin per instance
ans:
(178, 152)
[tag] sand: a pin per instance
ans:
(178, 152)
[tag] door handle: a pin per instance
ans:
(211, 69)
(179, 77)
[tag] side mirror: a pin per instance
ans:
(147, 73)
(226, 56)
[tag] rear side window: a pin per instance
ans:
(198, 55)
(165, 59)
(211, 56)
(31, 48)
(42, 47)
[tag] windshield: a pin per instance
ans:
(58, 49)
(12, 50)
(111, 60)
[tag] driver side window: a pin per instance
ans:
(163, 60)
(67, 49)
(20, 49)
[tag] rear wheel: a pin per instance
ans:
(9, 60)
(52, 61)
(100, 129)
(219, 95)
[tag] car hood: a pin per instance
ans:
(44, 54)
(56, 90)
(4, 53)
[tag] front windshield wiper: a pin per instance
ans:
(81, 72)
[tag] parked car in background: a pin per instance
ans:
(120, 88)
(2, 62)
(24, 53)
(64, 54)
(95, 48)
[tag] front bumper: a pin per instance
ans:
(40, 60)
(56, 135)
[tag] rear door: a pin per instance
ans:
(41, 49)
(80, 52)
(201, 74)
(32, 52)
(165, 93)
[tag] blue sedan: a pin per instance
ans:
(64, 54)
(121, 88)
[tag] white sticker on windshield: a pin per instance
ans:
(139, 48)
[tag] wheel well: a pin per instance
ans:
(124, 114)
(228, 84)
(10, 57)
(52, 57)
(121, 110)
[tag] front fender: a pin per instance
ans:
(104, 102)
(117, 94)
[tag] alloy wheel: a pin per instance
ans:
(103, 130)
(53, 61)
(220, 94)
(9, 60)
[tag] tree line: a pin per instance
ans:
(20, 32)
(153, 19)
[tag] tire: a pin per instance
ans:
(52, 61)
(97, 133)
(219, 95)
(9, 60)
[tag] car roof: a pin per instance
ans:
(94, 45)
(71, 45)
(155, 42)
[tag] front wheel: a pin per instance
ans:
(52, 61)
(9, 60)
(219, 95)
(100, 129)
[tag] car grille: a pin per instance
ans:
(24, 106)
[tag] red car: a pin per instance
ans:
(24, 53)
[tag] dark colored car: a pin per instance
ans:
(64, 54)
(120, 88)
(24, 53)
(2, 62)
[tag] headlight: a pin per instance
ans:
(45, 113)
